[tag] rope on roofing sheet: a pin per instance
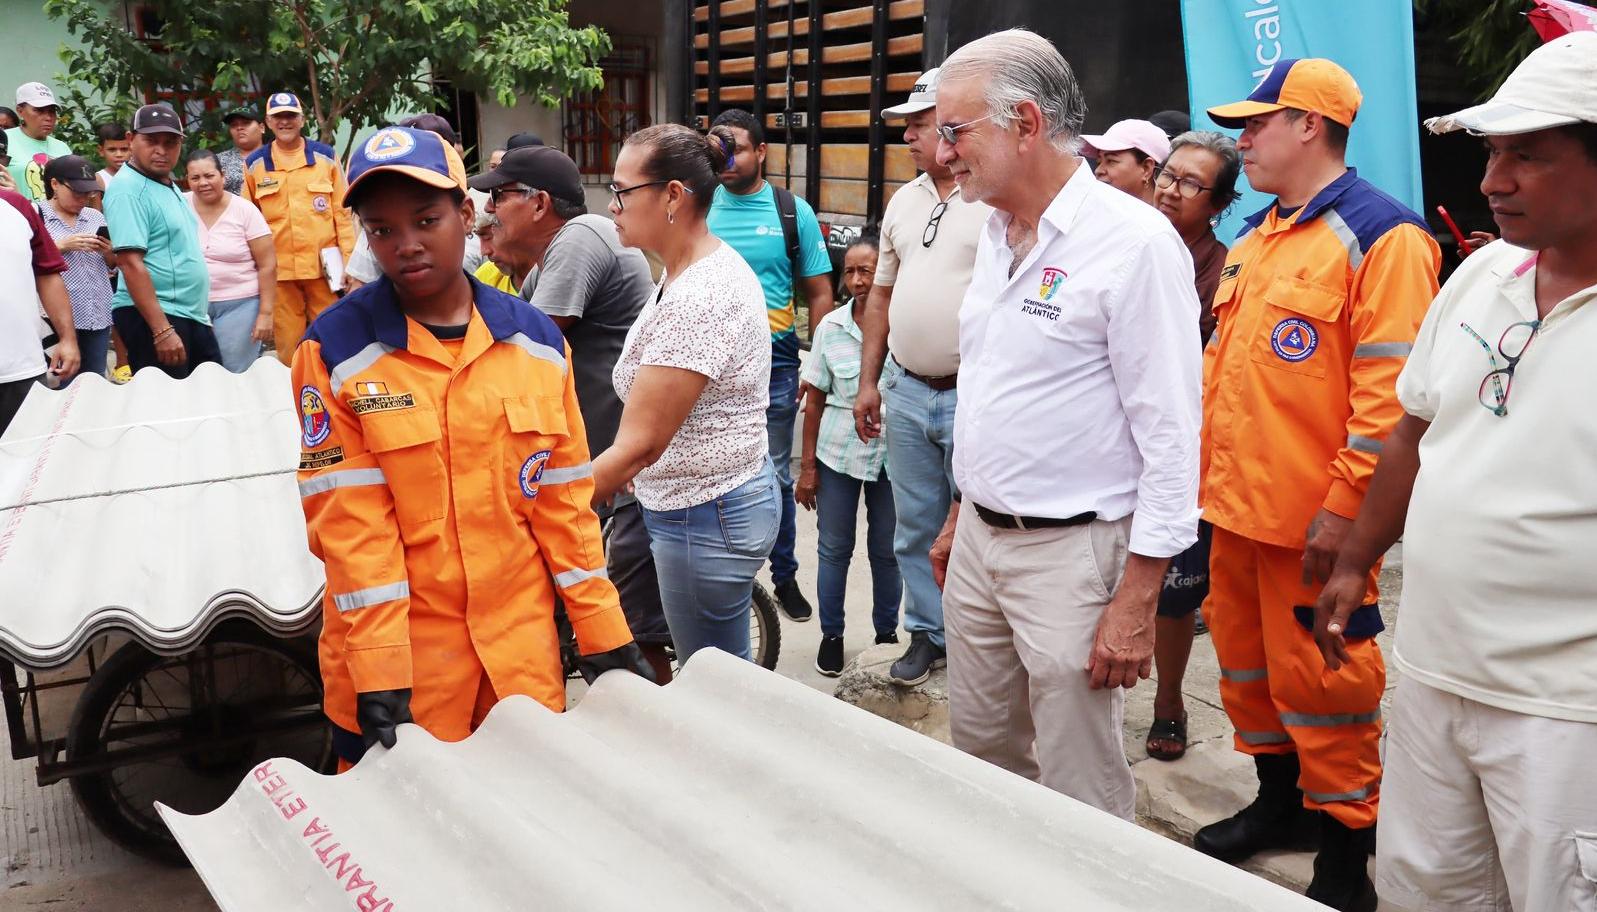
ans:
(92, 494)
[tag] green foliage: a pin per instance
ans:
(351, 62)
(1491, 36)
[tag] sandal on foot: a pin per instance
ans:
(1168, 731)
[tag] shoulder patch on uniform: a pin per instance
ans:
(1230, 272)
(321, 459)
(315, 424)
(532, 473)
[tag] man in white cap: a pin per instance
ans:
(1129, 154)
(1486, 798)
(928, 245)
(30, 143)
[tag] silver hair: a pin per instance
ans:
(1020, 65)
(485, 219)
(1225, 149)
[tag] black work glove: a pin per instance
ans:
(379, 712)
(627, 658)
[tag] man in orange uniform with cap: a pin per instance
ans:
(444, 474)
(1318, 307)
(299, 188)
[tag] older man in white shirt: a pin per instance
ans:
(1076, 439)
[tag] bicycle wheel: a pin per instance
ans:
(765, 629)
(202, 721)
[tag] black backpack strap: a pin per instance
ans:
(787, 214)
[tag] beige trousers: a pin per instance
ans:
(1483, 809)
(1021, 610)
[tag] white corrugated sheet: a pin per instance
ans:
(730, 789)
(158, 508)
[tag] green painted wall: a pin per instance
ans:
(32, 42)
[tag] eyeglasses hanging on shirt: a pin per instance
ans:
(1499, 381)
(930, 234)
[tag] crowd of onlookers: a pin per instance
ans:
(1073, 413)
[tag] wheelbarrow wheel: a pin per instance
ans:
(185, 730)
(765, 630)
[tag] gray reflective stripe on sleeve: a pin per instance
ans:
(1311, 720)
(1328, 797)
(356, 363)
(376, 595)
(566, 476)
(1264, 737)
(539, 350)
(572, 577)
(1383, 350)
(1363, 444)
(1214, 339)
(347, 478)
(1241, 675)
(1355, 253)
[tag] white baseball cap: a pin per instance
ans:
(921, 98)
(36, 95)
(1141, 135)
(1554, 87)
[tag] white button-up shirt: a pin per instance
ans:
(1079, 382)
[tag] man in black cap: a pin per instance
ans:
(160, 308)
(593, 288)
(248, 132)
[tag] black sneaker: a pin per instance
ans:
(792, 601)
(829, 660)
(890, 636)
(918, 660)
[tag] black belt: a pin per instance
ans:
(938, 384)
(1027, 523)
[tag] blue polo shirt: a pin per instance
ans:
(751, 226)
(152, 216)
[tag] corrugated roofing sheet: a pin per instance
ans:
(730, 789)
(159, 507)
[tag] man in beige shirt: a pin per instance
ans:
(928, 247)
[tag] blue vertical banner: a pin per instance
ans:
(1231, 45)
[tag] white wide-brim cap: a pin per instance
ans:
(1553, 87)
(923, 97)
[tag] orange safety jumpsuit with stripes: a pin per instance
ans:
(447, 489)
(301, 195)
(1317, 312)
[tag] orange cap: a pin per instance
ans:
(1312, 84)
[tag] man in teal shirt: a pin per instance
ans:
(30, 143)
(744, 215)
(160, 309)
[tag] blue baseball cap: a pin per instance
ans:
(284, 101)
(418, 154)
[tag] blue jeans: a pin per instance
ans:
(234, 322)
(779, 417)
(93, 346)
(836, 511)
(919, 424)
(706, 557)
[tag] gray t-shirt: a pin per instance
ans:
(587, 274)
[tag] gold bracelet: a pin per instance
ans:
(162, 334)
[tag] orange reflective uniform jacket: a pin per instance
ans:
(301, 195)
(449, 497)
(1317, 313)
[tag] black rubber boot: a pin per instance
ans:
(1275, 819)
(1341, 878)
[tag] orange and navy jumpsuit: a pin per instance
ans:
(447, 488)
(301, 196)
(1317, 312)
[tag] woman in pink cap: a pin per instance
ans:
(1129, 155)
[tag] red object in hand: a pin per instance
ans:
(1458, 234)
(1555, 18)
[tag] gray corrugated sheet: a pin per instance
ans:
(730, 789)
(159, 508)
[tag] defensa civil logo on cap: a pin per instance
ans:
(387, 145)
